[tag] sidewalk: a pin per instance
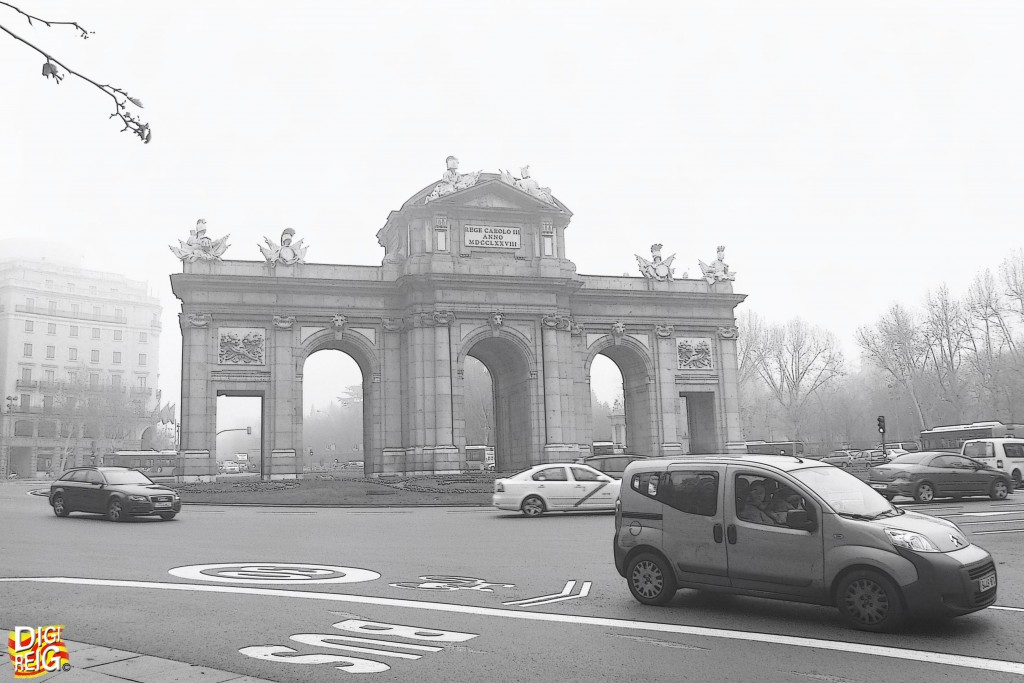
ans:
(96, 664)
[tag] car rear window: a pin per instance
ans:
(978, 449)
(910, 458)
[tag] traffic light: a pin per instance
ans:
(881, 424)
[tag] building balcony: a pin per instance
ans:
(142, 391)
(26, 384)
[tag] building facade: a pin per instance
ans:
(79, 365)
(474, 266)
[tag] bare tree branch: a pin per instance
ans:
(121, 98)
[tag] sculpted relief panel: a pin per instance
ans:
(242, 346)
(694, 353)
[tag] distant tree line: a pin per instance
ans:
(950, 360)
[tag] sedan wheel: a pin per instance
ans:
(167, 516)
(870, 601)
(59, 508)
(533, 506)
(925, 492)
(651, 580)
(115, 511)
(1000, 489)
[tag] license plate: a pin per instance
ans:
(987, 582)
(161, 505)
(879, 486)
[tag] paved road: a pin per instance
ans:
(444, 594)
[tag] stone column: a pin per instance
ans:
(198, 409)
(285, 462)
(668, 396)
(392, 456)
(420, 341)
(731, 425)
(555, 448)
(446, 455)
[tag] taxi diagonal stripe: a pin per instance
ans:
(584, 498)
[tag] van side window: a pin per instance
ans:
(1014, 450)
(646, 484)
(692, 492)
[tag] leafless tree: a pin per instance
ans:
(896, 344)
(947, 334)
(123, 102)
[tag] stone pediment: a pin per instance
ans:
(490, 192)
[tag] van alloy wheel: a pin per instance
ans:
(870, 601)
(650, 579)
(925, 492)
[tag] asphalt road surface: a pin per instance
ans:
(455, 594)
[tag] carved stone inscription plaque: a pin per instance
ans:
(492, 236)
(242, 346)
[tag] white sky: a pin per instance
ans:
(848, 154)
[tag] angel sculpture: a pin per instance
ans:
(285, 253)
(527, 184)
(717, 271)
(199, 247)
(657, 269)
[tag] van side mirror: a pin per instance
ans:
(801, 519)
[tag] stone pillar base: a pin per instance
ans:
(195, 466)
(447, 460)
(671, 450)
(560, 452)
(736, 448)
(419, 460)
(391, 461)
(284, 464)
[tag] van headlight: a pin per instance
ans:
(911, 540)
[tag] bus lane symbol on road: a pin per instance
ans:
(275, 573)
(356, 643)
(451, 583)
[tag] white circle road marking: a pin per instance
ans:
(701, 631)
(290, 573)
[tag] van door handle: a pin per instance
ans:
(730, 532)
(717, 531)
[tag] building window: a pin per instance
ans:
(73, 331)
(51, 352)
(30, 303)
(72, 353)
(94, 380)
(92, 289)
(74, 309)
(26, 374)
(140, 381)
(119, 313)
(94, 356)
(95, 333)
(97, 310)
(48, 376)
(549, 244)
(48, 407)
(51, 307)
(142, 359)
(30, 326)
(51, 328)
(115, 381)
(117, 357)
(26, 401)
(117, 335)
(71, 286)
(28, 351)
(49, 284)
(73, 376)
(143, 338)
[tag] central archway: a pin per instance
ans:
(513, 387)
(637, 393)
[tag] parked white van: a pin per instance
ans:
(796, 529)
(1006, 454)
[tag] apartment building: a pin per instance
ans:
(79, 365)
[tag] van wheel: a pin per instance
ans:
(925, 492)
(870, 601)
(533, 507)
(1016, 479)
(651, 580)
(1000, 489)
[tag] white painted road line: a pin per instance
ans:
(699, 631)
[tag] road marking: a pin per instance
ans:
(605, 622)
(1005, 531)
(273, 572)
(566, 594)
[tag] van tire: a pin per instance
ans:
(651, 579)
(925, 492)
(1017, 479)
(869, 601)
(1000, 489)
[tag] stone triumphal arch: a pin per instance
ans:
(474, 266)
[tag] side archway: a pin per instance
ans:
(637, 368)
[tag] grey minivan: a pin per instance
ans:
(795, 529)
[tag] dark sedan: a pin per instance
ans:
(117, 492)
(933, 474)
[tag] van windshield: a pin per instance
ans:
(845, 493)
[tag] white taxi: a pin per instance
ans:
(556, 487)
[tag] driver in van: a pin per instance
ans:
(784, 500)
(755, 506)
